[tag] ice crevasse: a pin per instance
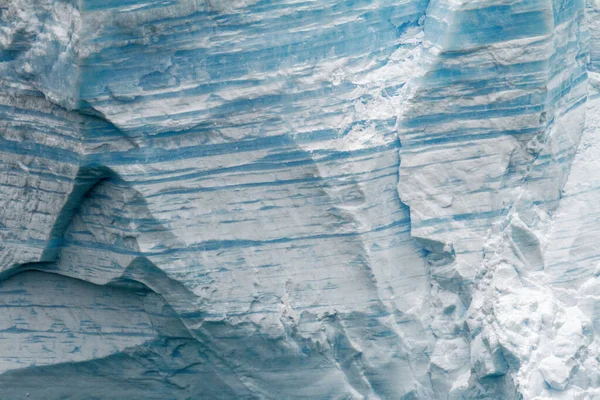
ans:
(299, 199)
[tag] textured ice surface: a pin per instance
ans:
(292, 199)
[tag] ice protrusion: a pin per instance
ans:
(556, 372)
(525, 244)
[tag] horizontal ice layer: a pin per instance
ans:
(269, 219)
(492, 101)
(544, 323)
(489, 134)
(49, 319)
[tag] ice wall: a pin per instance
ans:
(298, 199)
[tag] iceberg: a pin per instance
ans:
(299, 199)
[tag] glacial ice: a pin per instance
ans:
(299, 199)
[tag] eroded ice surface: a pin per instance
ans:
(391, 199)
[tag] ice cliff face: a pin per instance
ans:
(299, 199)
